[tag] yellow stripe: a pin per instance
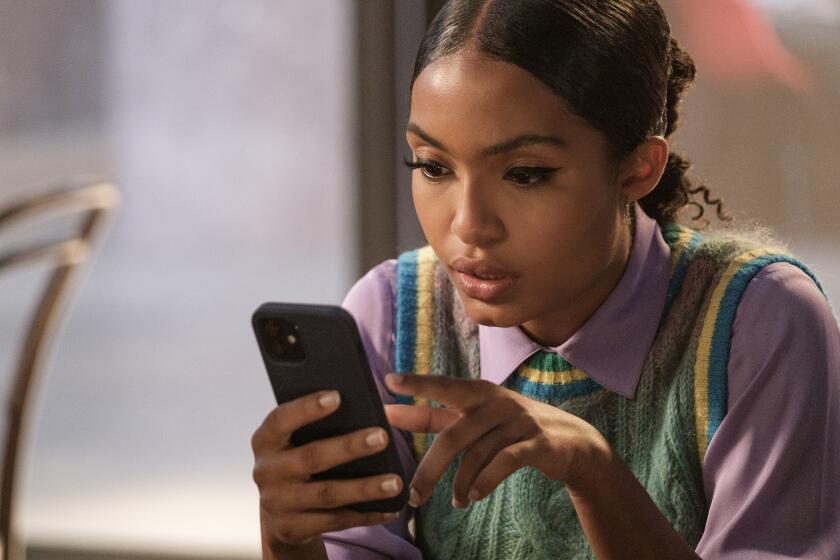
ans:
(552, 377)
(419, 440)
(704, 346)
(423, 333)
(425, 311)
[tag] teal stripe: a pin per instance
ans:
(406, 321)
(549, 362)
(722, 336)
(551, 393)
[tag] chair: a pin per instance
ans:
(90, 203)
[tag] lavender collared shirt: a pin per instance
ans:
(772, 470)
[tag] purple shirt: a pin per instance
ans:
(772, 470)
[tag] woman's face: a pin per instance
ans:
(516, 196)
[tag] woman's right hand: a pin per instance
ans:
(295, 510)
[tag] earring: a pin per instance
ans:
(627, 217)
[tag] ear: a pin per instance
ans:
(642, 169)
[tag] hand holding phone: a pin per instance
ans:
(324, 460)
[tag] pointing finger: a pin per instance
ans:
(421, 419)
(451, 391)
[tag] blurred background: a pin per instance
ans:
(257, 144)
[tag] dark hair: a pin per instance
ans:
(613, 62)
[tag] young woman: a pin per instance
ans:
(578, 375)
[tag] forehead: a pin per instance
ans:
(469, 100)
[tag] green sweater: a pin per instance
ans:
(661, 434)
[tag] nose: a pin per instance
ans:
(476, 221)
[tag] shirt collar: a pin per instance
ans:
(612, 345)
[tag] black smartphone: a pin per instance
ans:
(309, 348)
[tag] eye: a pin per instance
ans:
(529, 176)
(430, 169)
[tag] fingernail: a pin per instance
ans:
(375, 438)
(328, 400)
(457, 503)
(413, 498)
(390, 485)
(474, 495)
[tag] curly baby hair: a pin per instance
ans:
(613, 62)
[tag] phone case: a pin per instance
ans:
(334, 359)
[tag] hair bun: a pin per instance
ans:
(681, 74)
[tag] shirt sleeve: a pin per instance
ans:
(771, 469)
(371, 303)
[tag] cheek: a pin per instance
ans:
(564, 243)
(433, 211)
(547, 228)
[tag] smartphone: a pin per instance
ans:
(309, 348)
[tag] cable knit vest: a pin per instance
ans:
(661, 434)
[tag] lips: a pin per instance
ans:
(482, 279)
(481, 268)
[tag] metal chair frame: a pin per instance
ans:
(94, 203)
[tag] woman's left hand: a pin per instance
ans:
(499, 430)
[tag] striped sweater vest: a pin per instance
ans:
(662, 434)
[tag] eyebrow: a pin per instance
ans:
(495, 149)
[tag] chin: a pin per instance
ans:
(490, 315)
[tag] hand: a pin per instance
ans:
(499, 430)
(296, 509)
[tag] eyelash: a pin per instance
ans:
(541, 174)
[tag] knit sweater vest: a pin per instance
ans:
(661, 434)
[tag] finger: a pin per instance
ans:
(422, 419)
(446, 447)
(505, 463)
(451, 391)
(479, 455)
(324, 454)
(301, 527)
(277, 428)
(332, 494)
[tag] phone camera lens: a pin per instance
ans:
(283, 339)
